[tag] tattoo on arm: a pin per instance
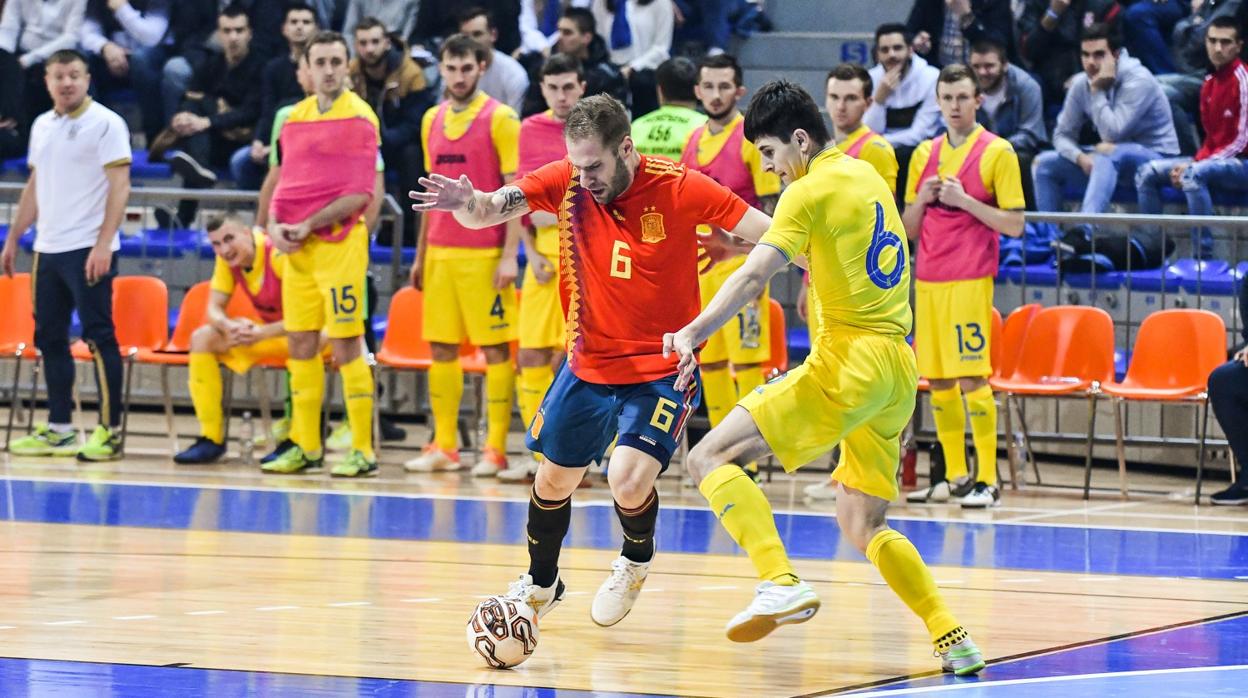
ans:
(513, 199)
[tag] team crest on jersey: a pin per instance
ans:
(652, 225)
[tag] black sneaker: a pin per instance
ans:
(1234, 495)
(391, 431)
(194, 175)
(202, 452)
(277, 452)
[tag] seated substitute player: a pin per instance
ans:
(856, 387)
(964, 189)
(628, 261)
(246, 263)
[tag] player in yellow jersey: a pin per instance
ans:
(964, 190)
(720, 150)
(856, 388)
(326, 178)
(848, 95)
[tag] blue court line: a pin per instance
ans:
(686, 530)
(62, 679)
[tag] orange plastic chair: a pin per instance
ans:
(176, 352)
(17, 335)
(1199, 338)
(779, 361)
(1068, 352)
(1013, 335)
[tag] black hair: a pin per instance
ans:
(781, 107)
(676, 78)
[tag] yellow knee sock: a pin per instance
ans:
(747, 380)
(307, 392)
(743, 511)
(500, 389)
(531, 387)
(357, 386)
(446, 390)
(950, 418)
(982, 409)
(719, 394)
(900, 565)
(205, 386)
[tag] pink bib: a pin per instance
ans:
(323, 161)
(727, 167)
(953, 244)
(855, 148)
(268, 302)
(471, 154)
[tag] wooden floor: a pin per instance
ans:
(357, 605)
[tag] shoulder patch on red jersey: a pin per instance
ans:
(660, 167)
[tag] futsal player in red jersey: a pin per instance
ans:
(627, 254)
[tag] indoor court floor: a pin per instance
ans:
(138, 578)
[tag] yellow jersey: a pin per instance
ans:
(877, 151)
(843, 217)
(708, 147)
(998, 168)
(223, 277)
(504, 131)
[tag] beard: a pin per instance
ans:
(725, 112)
(619, 181)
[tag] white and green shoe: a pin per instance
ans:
(294, 460)
(962, 658)
(44, 441)
(103, 445)
(356, 465)
(774, 605)
(339, 439)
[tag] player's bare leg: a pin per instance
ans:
(743, 510)
(631, 474)
(550, 513)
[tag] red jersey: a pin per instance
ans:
(1224, 112)
(628, 269)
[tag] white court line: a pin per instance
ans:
(277, 608)
(204, 613)
(1076, 512)
(8, 627)
(349, 604)
(1022, 580)
(133, 617)
(65, 622)
(948, 688)
(577, 503)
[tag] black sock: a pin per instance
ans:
(638, 527)
(548, 524)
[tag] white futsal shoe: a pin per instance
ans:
(432, 460)
(523, 471)
(825, 491)
(619, 592)
(772, 607)
(541, 599)
(963, 658)
(942, 491)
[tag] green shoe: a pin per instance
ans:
(963, 658)
(356, 465)
(340, 439)
(293, 460)
(43, 441)
(102, 445)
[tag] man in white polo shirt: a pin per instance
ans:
(76, 196)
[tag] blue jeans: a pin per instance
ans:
(174, 79)
(1229, 173)
(247, 173)
(1147, 25)
(1053, 173)
(146, 67)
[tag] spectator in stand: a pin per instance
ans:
(1049, 32)
(397, 16)
(1219, 162)
(505, 79)
(578, 38)
(438, 19)
(903, 108)
(220, 110)
(1228, 395)
(127, 44)
(279, 85)
(1147, 25)
(386, 77)
(191, 27)
(944, 30)
(1013, 106)
(1182, 88)
(649, 42)
(30, 32)
(665, 130)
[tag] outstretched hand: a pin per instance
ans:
(442, 193)
(681, 343)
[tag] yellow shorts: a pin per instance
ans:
(953, 328)
(858, 391)
(463, 303)
(323, 286)
(241, 358)
(746, 339)
(541, 315)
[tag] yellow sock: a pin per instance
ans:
(747, 380)
(900, 565)
(719, 394)
(743, 511)
(307, 392)
(982, 409)
(205, 386)
(500, 389)
(950, 420)
(357, 386)
(531, 387)
(446, 390)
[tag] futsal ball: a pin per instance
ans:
(502, 632)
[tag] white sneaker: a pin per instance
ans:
(485, 468)
(773, 606)
(433, 459)
(963, 658)
(825, 491)
(937, 492)
(541, 599)
(339, 439)
(984, 496)
(520, 472)
(619, 592)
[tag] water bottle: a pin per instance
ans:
(909, 461)
(751, 326)
(247, 439)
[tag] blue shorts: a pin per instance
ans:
(578, 419)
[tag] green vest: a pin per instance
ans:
(666, 130)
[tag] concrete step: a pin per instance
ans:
(804, 50)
